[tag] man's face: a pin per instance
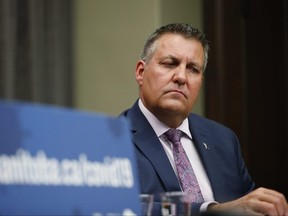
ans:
(170, 82)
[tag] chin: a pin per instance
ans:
(174, 109)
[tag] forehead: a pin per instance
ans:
(174, 44)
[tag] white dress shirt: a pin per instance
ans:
(160, 128)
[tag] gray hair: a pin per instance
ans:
(185, 30)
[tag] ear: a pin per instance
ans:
(140, 70)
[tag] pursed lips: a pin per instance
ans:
(177, 91)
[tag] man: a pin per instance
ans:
(170, 75)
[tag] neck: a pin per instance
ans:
(172, 121)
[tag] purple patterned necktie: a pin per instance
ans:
(184, 169)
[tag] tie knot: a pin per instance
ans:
(173, 135)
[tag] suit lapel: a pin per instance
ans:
(148, 143)
(205, 145)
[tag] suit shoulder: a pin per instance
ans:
(207, 123)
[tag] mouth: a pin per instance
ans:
(177, 92)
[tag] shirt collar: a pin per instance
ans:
(158, 126)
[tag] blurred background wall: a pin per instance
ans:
(36, 51)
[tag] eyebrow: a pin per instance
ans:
(170, 57)
(174, 58)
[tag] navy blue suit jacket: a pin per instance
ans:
(222, 159)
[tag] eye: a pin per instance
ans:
(169, 64)
(194, 69)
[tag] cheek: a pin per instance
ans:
(195, 88)
(155, 83)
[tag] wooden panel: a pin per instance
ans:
(225, 80)
(266, 86)
(246, 82)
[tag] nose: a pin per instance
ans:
(180, 75)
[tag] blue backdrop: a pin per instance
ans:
(57, 161)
